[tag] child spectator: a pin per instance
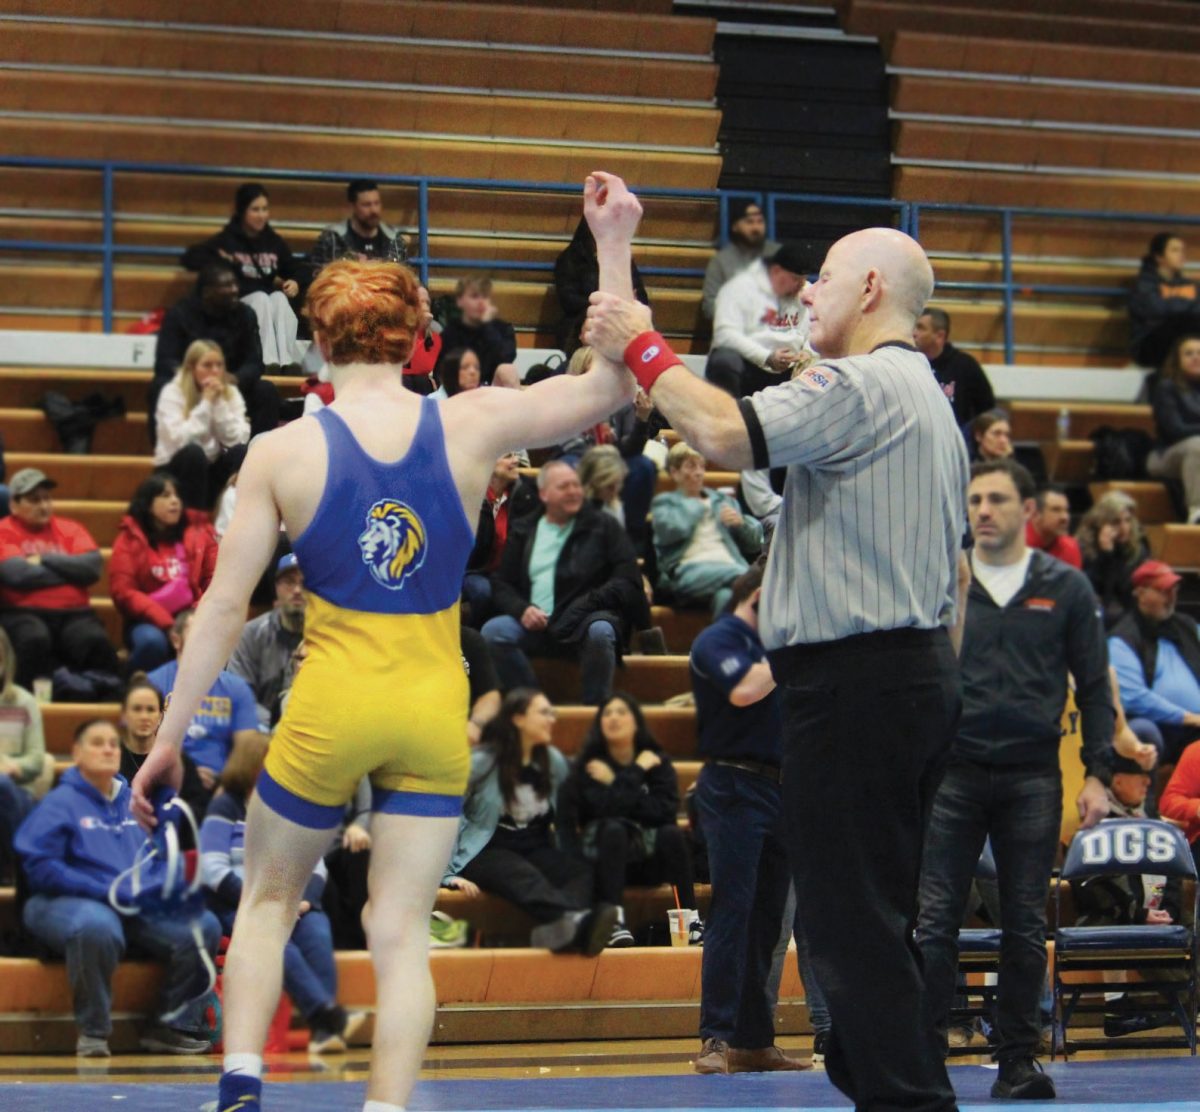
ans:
(1112, 545)
(309, 968)
(1177, 422)
(141, 712)
(480, 328)
(1163, 305)
(267, 272)
(162, 562)
(507, 843)
(72, 847)
(202, 425)
(624, 797)
(702, 540)
(22, 752)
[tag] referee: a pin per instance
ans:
(858, 604)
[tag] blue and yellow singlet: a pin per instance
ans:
(383, 691)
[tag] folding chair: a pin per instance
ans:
(978, 952)
(1125, 847)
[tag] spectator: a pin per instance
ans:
(1177, 422)
(426, 350)
(628, 431)
(1163, 305)
(267, 272)
(959, 375)
(992, 436)
(141, 712)
(1049, 528)
(506, 841)
(480, 328)
(309, 968)
(510, 497)
(23, 765)
(739, 727)
(162, 562)
(483, 684)
(202, 426)
(227, 714)
(1111, 545)
(602, 473)
(624, 799)
(213, 312)
(747, 244)
(568, 583)
(4, 491)
(1156, 654)
(47, 563)
(1180, 800)
(458, 371)
(762, 500)
(1030, 622)
(576, 278)
(348, 864)
(267, 643)
(701, 537)
(363, 235)
(72, 847)
(760, 327)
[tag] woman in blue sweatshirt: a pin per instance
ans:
(72, 846)
(309, 968)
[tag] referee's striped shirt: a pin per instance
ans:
(873, 508)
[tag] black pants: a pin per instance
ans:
(733, 374)
(868, 723)
(619, 862)
(545, 883)
(199, 481)
(47, 639)
(345, 896)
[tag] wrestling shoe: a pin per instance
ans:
(237, 1093)
(1023, 1079)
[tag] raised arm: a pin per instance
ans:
(243, 556)
(707, 418)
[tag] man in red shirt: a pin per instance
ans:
(1048, 527)
(47, 564)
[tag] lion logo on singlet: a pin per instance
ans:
(394, 543)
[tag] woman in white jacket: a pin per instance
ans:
(202, 426)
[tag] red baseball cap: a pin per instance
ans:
(1154, 573)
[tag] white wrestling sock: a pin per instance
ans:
(249, 1065)
(380, 1106)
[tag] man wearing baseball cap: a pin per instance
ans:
(760, 328)
(1156, 654)
(268, 642)
(747, 244)
(47, 564)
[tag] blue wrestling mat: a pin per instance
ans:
(1150, 1085)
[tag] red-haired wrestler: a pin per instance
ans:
(377, 520)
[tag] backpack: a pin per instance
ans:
(1120, 453)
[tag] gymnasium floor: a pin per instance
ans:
(559, 1077)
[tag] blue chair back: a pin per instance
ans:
(1129, 846)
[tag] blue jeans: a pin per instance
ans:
(511, 644)
(818, 1007)
(1020, 807)
(309, 970)
(92, 937)
(477, 590)
(149, 647)
(742, 822)
(15, 804)
(636, 495)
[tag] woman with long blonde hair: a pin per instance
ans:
(1112, 545)
(202, 425)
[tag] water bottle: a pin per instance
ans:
(1064, 423)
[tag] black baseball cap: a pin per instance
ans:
(790, 257)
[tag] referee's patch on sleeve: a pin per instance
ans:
(819, 378)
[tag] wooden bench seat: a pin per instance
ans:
(1154, 504)
(25, 387)
(1039, 420)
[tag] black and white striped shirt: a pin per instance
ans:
(873, 509)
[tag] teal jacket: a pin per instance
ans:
(484, 804)
(675, 517)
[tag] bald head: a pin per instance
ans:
(873, 283)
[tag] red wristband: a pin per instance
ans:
(648, 356)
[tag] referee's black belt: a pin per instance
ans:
(759, 768)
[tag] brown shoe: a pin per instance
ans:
(711, 1058)
(762, 1061)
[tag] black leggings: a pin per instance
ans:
(670, 862)
(546, 883)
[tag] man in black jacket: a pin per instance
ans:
(214, 311)
(568, 583)
(1030, 620)
(959, 375)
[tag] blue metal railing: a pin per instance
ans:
(906, 215)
